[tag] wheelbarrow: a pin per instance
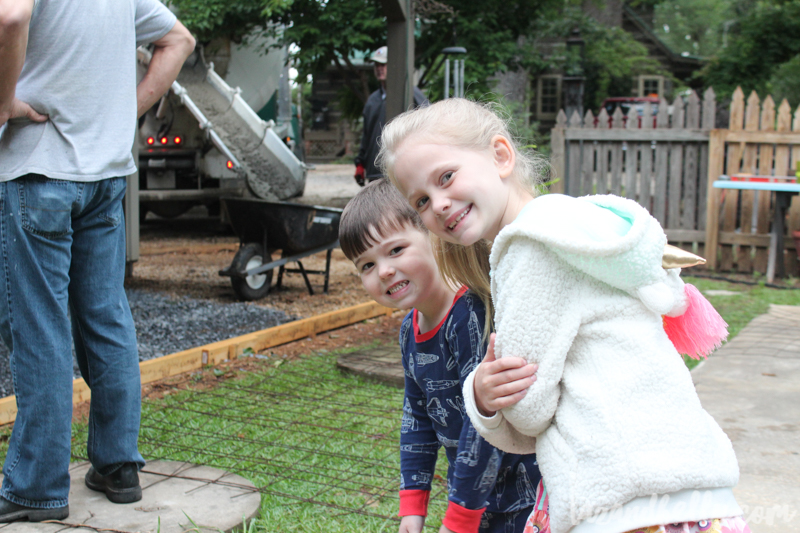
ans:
(263, 227)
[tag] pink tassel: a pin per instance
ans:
(700, 330)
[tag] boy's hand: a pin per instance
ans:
(412, 524)
(445, 529)
(501, 382)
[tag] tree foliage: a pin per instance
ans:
(324, 32)
(234, 19)
(762, 46)
(610, 59)
(320, 33)
(693, 27)
(493, 33)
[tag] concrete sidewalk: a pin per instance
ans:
(751, 386)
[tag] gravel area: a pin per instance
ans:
(179, 301)
(166, 324)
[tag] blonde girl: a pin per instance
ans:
(577, 287)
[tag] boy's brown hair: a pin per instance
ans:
(377, 210)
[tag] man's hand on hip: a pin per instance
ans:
(20, 109)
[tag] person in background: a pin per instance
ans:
(68, 108)
(374, 119)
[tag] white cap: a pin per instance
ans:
(379, 55)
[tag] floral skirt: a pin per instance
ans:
(539, 521)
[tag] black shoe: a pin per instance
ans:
(120, 486)
(11, 512)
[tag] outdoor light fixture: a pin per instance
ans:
(458, 71)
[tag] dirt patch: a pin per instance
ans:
(189, 266)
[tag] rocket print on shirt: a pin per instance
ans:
(470, 453)
(436, 412)
(409, 423)
(449, 341)
(434, 417)
(426, 359)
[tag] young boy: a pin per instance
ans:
(441, 341)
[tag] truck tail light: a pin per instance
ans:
(177, 140)
(151, 140)
(229, 164)
(164, 140)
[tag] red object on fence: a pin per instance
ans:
(763, 179)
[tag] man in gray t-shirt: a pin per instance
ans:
(68, 108)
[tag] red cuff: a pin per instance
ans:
(462, 520)
(414, 502)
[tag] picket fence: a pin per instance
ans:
(668, 163)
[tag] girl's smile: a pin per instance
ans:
(462, 194)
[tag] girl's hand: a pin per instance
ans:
(444, 529)
(501, 382)
(412, 524)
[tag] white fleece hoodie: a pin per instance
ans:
(613, 417)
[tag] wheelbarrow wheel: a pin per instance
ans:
(249, 256)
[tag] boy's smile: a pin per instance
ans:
(399, 270)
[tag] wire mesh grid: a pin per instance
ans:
(321, 447)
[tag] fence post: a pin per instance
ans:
(558, 154)
(716, 159)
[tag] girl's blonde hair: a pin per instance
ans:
(465, 124)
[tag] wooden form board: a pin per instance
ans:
(659, 160)
(217, 352)
(758, 141)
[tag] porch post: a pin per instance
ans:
(400, 41)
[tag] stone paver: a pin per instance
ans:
(171, 491)
(381, 364)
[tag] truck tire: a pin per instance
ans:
(249, 256)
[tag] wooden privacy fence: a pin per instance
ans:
(669, 163)
(756, 142)
(660, 160)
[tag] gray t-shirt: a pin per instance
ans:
(80, 69)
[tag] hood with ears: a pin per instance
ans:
(609, 238)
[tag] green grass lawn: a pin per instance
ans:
(320, 445)
(749, 302)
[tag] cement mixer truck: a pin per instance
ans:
(202, 141)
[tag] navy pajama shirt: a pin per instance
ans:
(488, 490)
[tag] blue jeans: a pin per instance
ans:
(61, 280)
